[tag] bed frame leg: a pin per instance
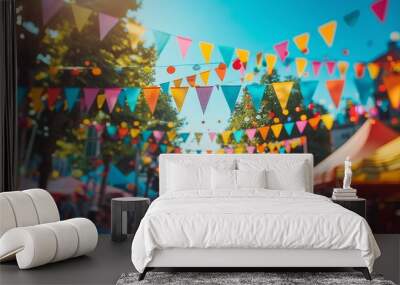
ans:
(143, 274)
(364, 271)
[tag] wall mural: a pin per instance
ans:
(105, 87)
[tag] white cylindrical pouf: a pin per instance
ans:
(7, 218)
(23, 208)
(87, 234)
(45, 206)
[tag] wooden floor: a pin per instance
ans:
(110, 260)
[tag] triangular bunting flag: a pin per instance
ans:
(282, 91)
(231, 93)
(179, 95)
(316, 65)
(221, 71)
(335, 88)
(327, 32)
(158, 135)
(343, 66)
(50, 9)
(198, 137)
(111, 130)
(36, 98)
(178, 82)
(243, 55)
(301, 125)
(184, 136)
(264, 132)
(204, 94)
(226, 53)
(276, 130)
(352, 18)
(191, 80)
(89, 96)
(261, 148)
(330, 66)
(106, 23)
(134, 133)
(145, 135)
(171, 135)
(366, 89)
(282, 50)
(71, 94)
(111, 97)
(328, 120)
(184, 44)
(122, 98)
(250, 149)
(392, 84)
(226, 135)
(52, 95)
(101, 99)
(132, 95)
(379, 7)
(237, 135)
(289, 128)
(205, 75)
(151, 95)
(161, 40)
(259, 57)
(314, 122)
(251, 133)
(270, 59)
(307, 89)
(163, 148)
(81, 16)
(359, 69)
(373, 69)
(301, 65)
(206, 50)
(165, 87)
(256, 92)
(212, 136)
(301, 42)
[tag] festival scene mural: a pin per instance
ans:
(106, 86)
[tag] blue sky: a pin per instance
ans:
(257, 26)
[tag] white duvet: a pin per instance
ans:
(253, 218)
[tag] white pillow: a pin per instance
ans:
(183, 177)
(251, 178)
(223, 179)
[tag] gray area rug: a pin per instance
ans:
(233, 278)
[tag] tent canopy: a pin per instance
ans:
(372, 135)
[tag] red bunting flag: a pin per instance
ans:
(151, 95)
(379, 8)
(52, 95)
(335, 88)
(191, 80)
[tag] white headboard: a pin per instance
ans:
(209, 158)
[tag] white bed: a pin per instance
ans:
(248, 227)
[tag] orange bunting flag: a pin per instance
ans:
(276, 130)
(221, 71)
(198, 137)
(261, 148)
(328, 120)
(178, 82)
(270, 59)
(171, 135)
(205, 75)
(264, 132)
(335, 88)
(259, 56)
(359, 69)
(301, 42)
(313, 122)
(191, 80)
(151, 95)
(101, 98)
(36, 98)
(301, 65)
(81, 16)
(243, 55)
(373, 70)
(282, 91)
(206, 50)
(179, 95)
(226, 135)
(392, 84)
(343, 66)
(327, 32)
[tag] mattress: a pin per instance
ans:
(251, 219)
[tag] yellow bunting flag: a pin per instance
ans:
(151, 95)
(198, 137)
(101, 98)
(134, 132)
(301, 42)
(226, 135)
(343, 66)
(171, 135)
(179, 95)
(191, 80)
(276, 130)
(81, 16)
(301, 65)
(243, 55)
(392, 84)
(205, 75)
(327, 32)
(282, 91)
(270, 59)
(328, 120)
(178, 82)
(264, 132)
(239, 149)
(36, 96)
(373, 70)
(313, 122)
(206, 50)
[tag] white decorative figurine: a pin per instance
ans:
(347, 174)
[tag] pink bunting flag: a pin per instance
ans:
(158, 135)
(282, 50)
(90, 95)
(301, 125)
(379, 8)
(251, 133)
(212, 135)
(316, 66)
(50, 9)
(330, 65)
(184, 44)
(250, 149)
(112, 97)
(228, 150)
(106, 23)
